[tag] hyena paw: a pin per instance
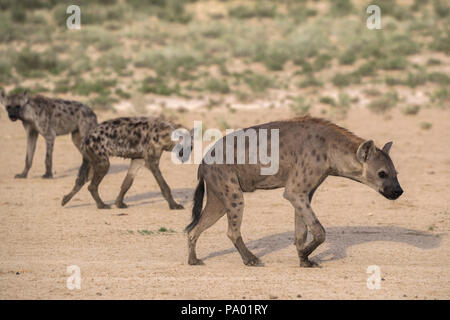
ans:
(176, 206)
(253, 262)
(47, 176)
(65, 200)
(103, 206)
(20, 176)
(121, 205)
(306, 263)
(196, 262)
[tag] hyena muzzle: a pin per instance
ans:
(310, 149)
(49, 118)
(142, 139)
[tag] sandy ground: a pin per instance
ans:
(408, 239)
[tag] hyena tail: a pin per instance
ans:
(198, 204)
(83, 176)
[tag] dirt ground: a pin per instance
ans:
(122, 255)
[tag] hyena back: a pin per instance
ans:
(49, 118)
(310, 149)
(142, 139)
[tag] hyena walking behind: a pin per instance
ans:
(141, 139)
(310, 149)
(49, 118)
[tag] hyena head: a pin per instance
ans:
(378, 171)
(16, 105)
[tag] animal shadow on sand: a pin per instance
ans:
(339, 239)
(183, 195)
(114, 168)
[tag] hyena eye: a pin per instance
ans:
(382, 174)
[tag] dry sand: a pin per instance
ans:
(408, 238)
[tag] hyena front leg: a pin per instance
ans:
(32, 136)
(234, 203)
(49, 142)
(153, 165)
(305, 217)
(135, 165)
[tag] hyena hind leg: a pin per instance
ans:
(100, 170)
(76, 139)
(83, 177)
(135, 165)
(213, 211)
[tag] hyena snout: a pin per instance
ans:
(392, 192)
(13, 112)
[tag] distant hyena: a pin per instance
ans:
(142, 139)
(309, 150)
(49, 118)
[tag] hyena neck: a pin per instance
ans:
(343, 160)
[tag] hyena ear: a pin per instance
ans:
(387, 147)
(25, 98)
(2, 96)
(365, 151)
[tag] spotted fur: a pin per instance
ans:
(49, 118)
(310, 149)
(141, 139)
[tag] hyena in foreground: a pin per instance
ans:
(49, 118)
(142, 139)
(310, 149)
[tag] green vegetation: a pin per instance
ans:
(299, 105)
(243, 49)
(411, 109)
(383, 103)
(426, 125)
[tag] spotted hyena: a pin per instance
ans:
(142, 139)
(49, 118)
(310, 149)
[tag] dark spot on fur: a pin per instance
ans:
(233, 180)
(233, 204)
